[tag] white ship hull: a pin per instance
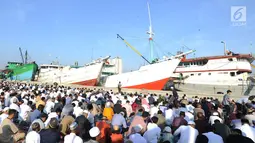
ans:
(88, 75)
(151, 77)
(237, 90)
(214, 75)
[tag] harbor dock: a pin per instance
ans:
(189, 94)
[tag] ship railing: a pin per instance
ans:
(177, 56)
(98, 60)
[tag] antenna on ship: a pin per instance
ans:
(150, 32)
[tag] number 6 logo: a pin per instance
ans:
(238, 14)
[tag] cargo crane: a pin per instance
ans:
(137, 52)
(21, 54)
(26, 55)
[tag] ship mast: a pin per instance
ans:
(151, 34)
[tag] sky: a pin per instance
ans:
(81, 30)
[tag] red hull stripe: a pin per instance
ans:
(244, 70)
(155, 85)
(91, 82)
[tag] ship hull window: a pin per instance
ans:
(232, 73)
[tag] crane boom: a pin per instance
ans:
(137, 52)
(21, 54)
(26, 54)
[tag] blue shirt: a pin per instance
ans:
(119, 120)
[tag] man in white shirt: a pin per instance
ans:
(169, 115)
(33, 136)
(247, 130)
(188, 133)
(128, 107)
(15, 107)
(72, 137)
(189, 115)
(49, 106)
(7, 99)
(53, 115)
(250, 116)
(77, 111)
(24, 110)
(213, 138)
(13, 99)
(154, 109)
(23, 93)
(213, 117)
(4, 115)
(152, 134)
(135, 136)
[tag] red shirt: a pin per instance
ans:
(117, 138)
(105, 131)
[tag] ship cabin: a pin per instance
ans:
(13, 65)
(44, 68)
(236, 65)
(201, 61)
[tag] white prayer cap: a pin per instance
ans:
(85, 111)
(79, 112)
(108, 104)
(190, 109)
(167, 129)
(73, 126)
(15, 107)
(138, 128)
(6, 109)
(94, 132)
(122, 113)
(43, 95)
(25, 101)
(191, 123)
(215, 114)
(76, 103)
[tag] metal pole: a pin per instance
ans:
(150, 32)
(224, 47)
(92, 55)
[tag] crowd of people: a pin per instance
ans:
(33, 113)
